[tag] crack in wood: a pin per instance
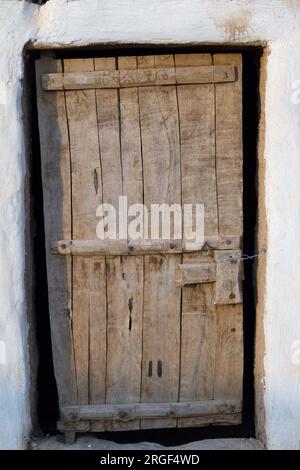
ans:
(130, 306)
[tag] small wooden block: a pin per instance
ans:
(192, 273)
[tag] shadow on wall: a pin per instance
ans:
(39, 2)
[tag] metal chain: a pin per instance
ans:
(245, 257)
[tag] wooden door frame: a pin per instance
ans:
(162, 49)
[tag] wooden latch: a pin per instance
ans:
(225, 270)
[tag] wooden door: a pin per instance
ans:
(144, 334)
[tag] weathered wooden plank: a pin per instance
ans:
(125, 325)
(80, 317)
(89, 300)
(192, 273)
(138, 247)
(124, 330)
(107, 104)
(126, 78)
(199, 322)
(124, 315)
(229, 149)
(55, 157)
(78, 105)
(97, 330)
(198, 343)
(204, 74)
(228, 376)
(131, 138)
(229, 161)
(197, 135)
(127, 412)
(109, 136)
(97, 426)
(86, 168)
(229, 277)
(161, 163)
(211, 420)
(80, 426)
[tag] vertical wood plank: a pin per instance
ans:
(125, 274)
(109, 136)
(229, 148)
(197, 132)
(89, 296)
(228, 377)
(199, 321)
(97, 349)
(198, 343)
(131, 138)
(55, 157)
(124, 333)
(161, 163)
(107, 103)
(229, 158)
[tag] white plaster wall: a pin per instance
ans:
(16, 23)
(81, 22)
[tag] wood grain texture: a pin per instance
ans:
(229, 149)
(80, 247)
(109, 136)
(97, 333)
(89, 311)
(126, 325)
(107, 108)
(229, 353)
(198, 348)
(230, 419)
(79, 108)
(127, 412)
(128, 77)
(121, 162)
(147, 343)
(161, 325)
(229, 277)
(199, 321)
(197, 135)
(131, 138)
(195, 273)
(55, 159)
(229, 160)
(124, 331)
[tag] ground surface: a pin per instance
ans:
(90, 442)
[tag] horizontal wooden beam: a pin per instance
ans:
(139, 247)
(129, 412)
(108, 425)
(138, 77)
